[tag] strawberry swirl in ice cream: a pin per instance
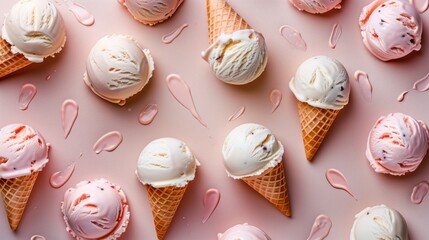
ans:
(95, 209)
(243, 232)
(151, 12)
(397, 144)
(316, 6)
(22, 151)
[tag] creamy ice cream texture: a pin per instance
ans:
(379, 222)
(391, 29)
(118, 68)
(321, 82)
(397, 144)
(166, 162)
(34, 28)
(151, 12)
(243, 232)
(237, 58)
(316, 6)
(249, 150)
(22, 151)
(95, 209)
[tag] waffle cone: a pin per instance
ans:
(271, 184)
(164, 203)
(10, 62)
(16, 192)
(223, 19)
(315, 123)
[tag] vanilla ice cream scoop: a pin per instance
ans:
(22, 151)
(237, 58)
(34, 28)
(166, 162)
(151, 12)
(391, 29)
(316, 6)
(95, 209)
(118, 68)
(379, 222)
(243, 232)
(321, 82)
(397, 144)
(249, 150)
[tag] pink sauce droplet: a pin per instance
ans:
(364, 84)
(237, 114)
(421, 5)
(108, 142)
(50, 75)
(169, 37)
(210, 202)
(181, 92)
(148, 114)
(402, 96)
(419, 192)
(338, 180)
(335, 35)
(37, 237)
(275, 98)
(321, 227)
(293, 37)
(69, 112)
(58, 179)
(81, 14)
(27, 93)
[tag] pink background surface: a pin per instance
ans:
(310, 193)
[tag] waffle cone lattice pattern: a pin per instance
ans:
(10, 62)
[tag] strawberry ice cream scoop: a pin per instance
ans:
(316, 6)
(22, 151)
(391, 29)
(95, 210)
(243, 232)
(397, 144)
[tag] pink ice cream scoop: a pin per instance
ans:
(316, 6)
(391, 29)
(151, 12)
(95, 209)
(22, 151)
(397, 144)
(243, 232)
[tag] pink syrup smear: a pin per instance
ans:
(237, 114)
(335, 35)
(69, 112)
(81, 14)
(275, 98)
(421, 85)
(293, 37)
(148, 114)
(419, 192)
(37, 237)
(421, 5)
(321, 227)
(365, 86)
(169, 37)
(210, 202)
(27, 93)
(58, 179)
(338, 180)
(108, 142)
(181, 92)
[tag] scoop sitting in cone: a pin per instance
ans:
(252, 153)
(321, 87)
(165, 166)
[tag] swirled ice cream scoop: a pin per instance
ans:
(379, 222)
(321, 82)
(22, 151)
(34, 28)
(243, 232)
(166, 162)
(316, 6)
(391, 29)
(118, 68)
(250, 149)
(95, 209)
(397, 144)
(237, 58)
(151, 12)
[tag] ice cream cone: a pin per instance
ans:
(315, 123)
(271, 184)
(223, 19)
(164, 202)
(10, 62)
(16, 192)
